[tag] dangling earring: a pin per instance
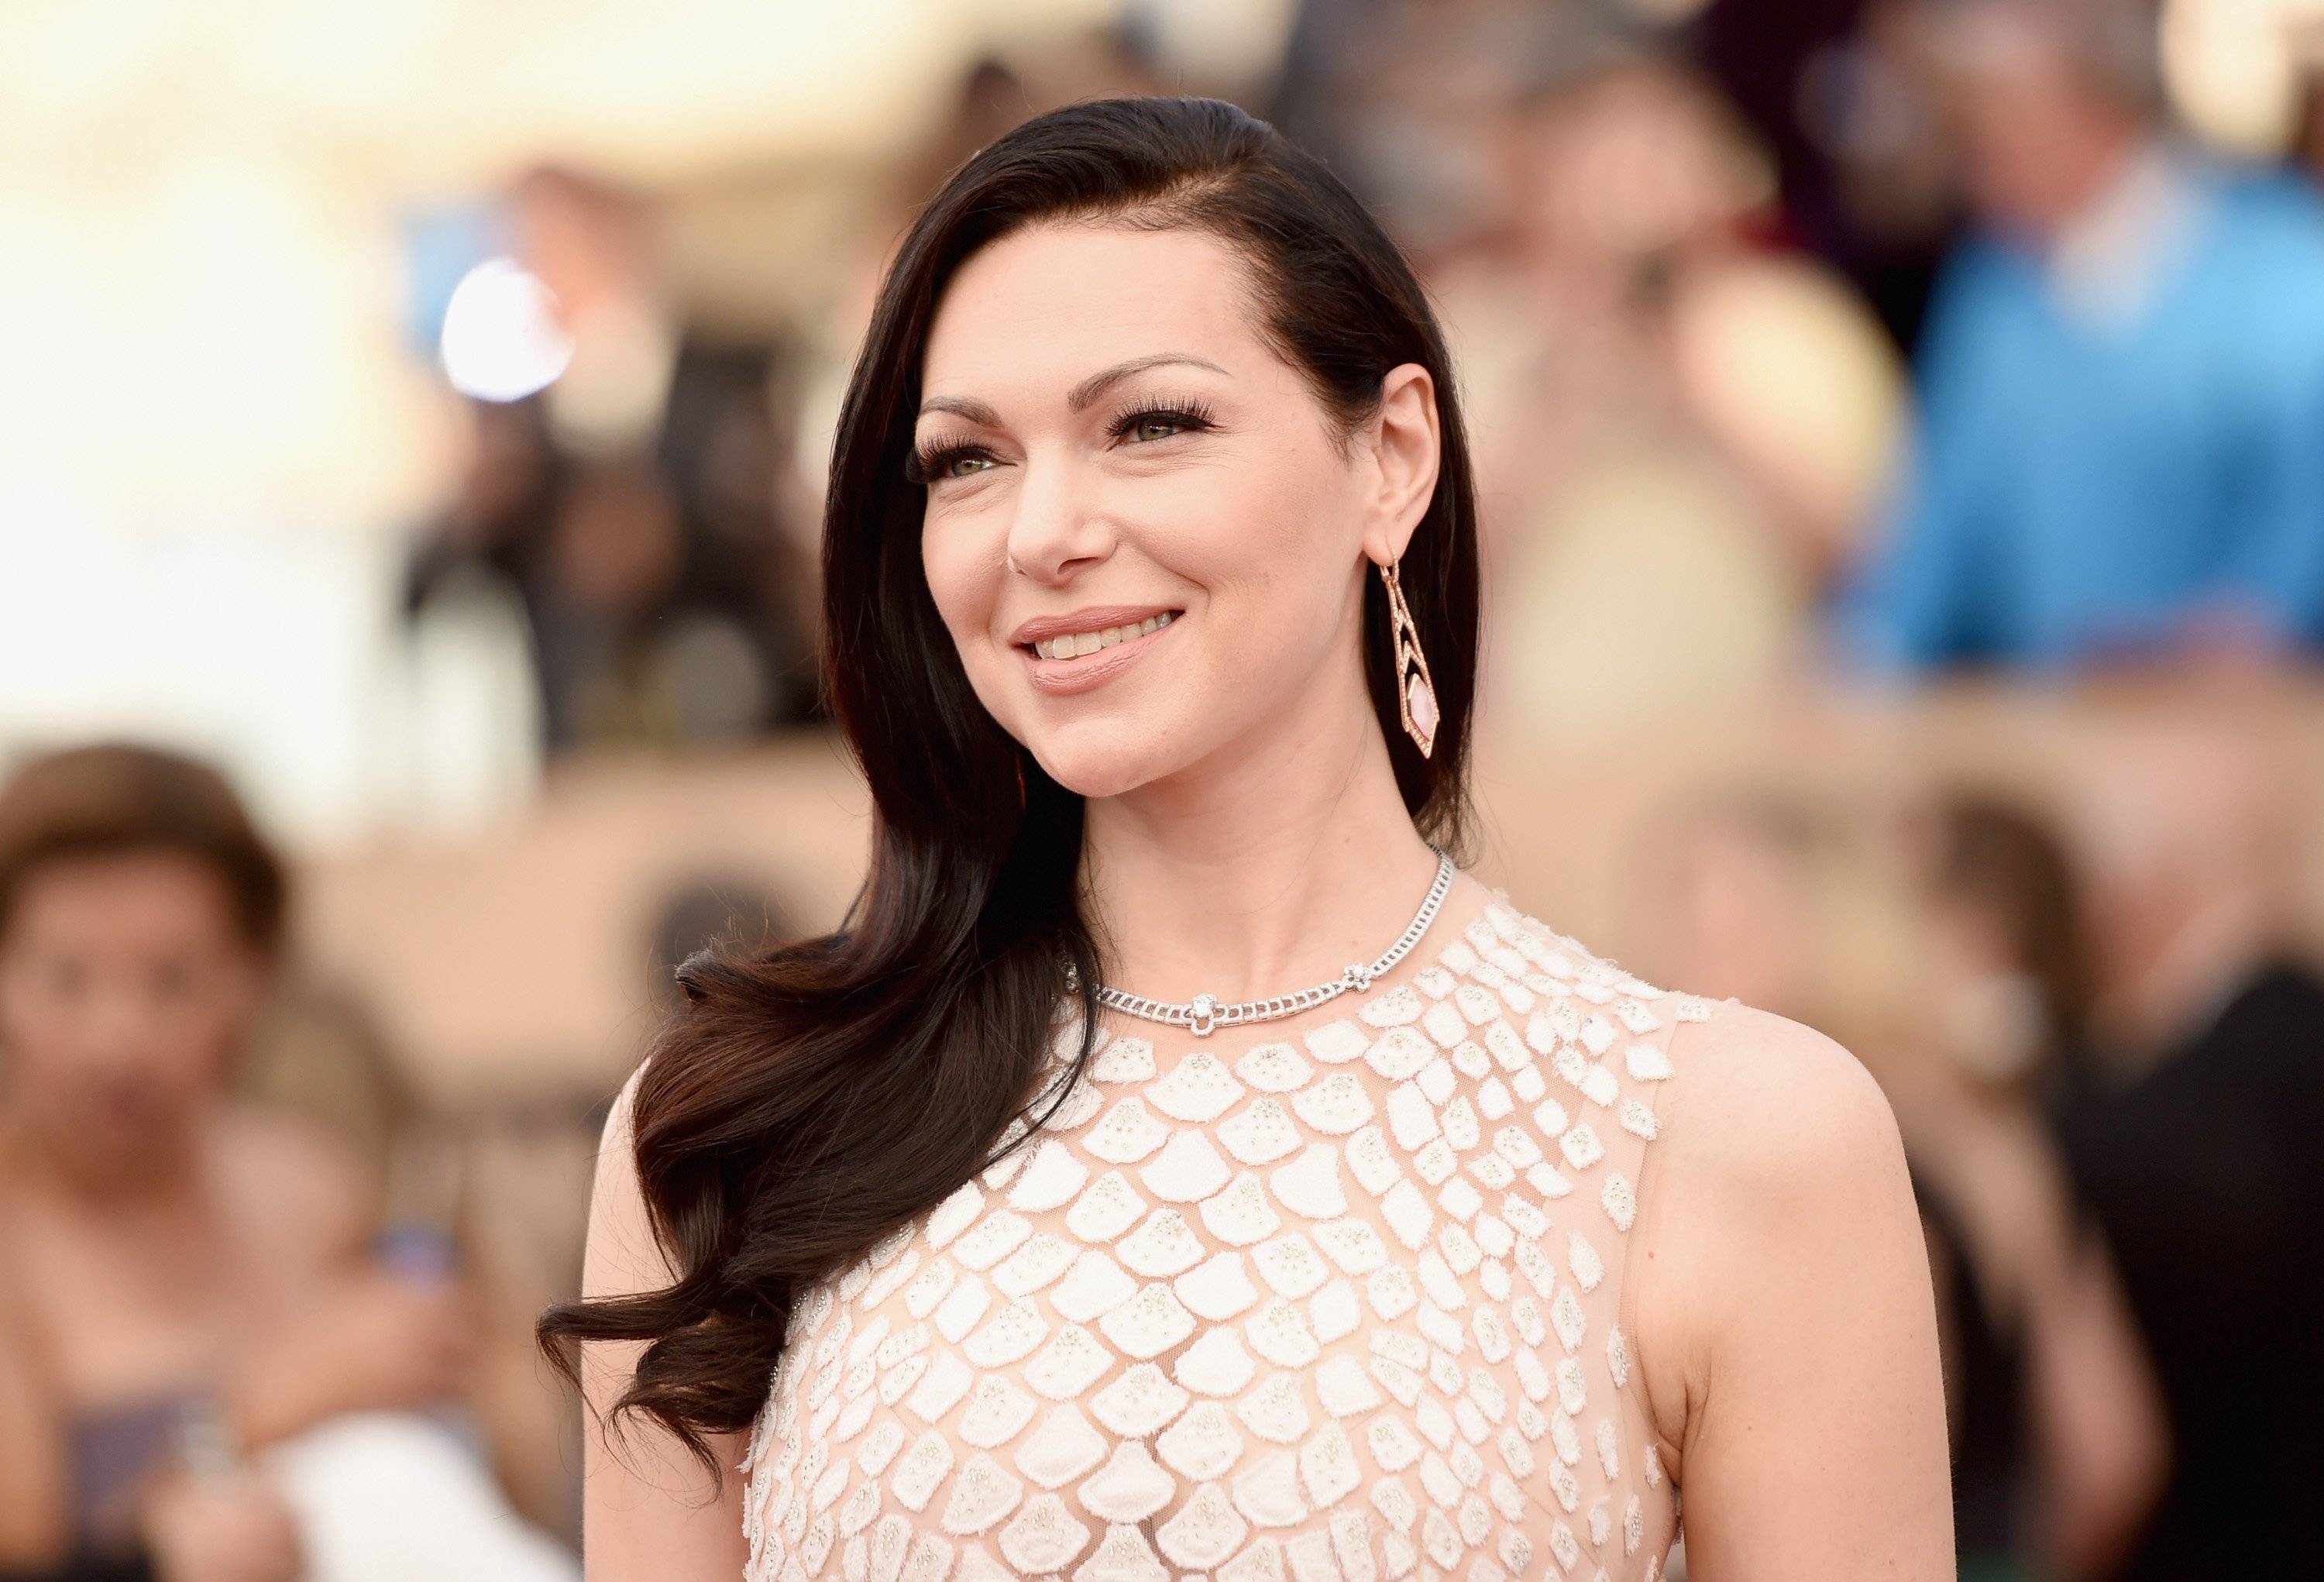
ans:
(1415, 694)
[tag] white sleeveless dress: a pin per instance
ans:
(1335, 1298)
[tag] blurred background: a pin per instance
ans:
(1902, 427)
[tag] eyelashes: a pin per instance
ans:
(936, 460)
(1186, 416)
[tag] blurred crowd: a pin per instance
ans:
(1821, 354)
(2093, 1006)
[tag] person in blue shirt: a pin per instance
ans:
(2120, 452)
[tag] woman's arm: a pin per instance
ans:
(649, 1513)
(1787, 1328)
(2099, 1419)
(345, 1334)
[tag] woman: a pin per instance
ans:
(1151, 598)
(2060, 1444)
(182, 1277)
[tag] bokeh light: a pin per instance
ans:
(502, 340)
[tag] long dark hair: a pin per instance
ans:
(808, 1100)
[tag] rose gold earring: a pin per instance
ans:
(1415, 694)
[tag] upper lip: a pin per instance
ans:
(1097, 618)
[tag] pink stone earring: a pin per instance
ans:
(1415, 694)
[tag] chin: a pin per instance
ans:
(1086, 776)
(1103, 759)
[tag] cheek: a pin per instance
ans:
(961, 558)
(964, 557)
(45, 1046)
(1274, 547)
(36, 1017)
(215, 1015)
(211, 1011)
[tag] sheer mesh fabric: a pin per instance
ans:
(1335, 1298)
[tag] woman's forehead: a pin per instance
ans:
(156, 882)
(1043, 309)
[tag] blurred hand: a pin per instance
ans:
(234, 1529)
(375, 1342)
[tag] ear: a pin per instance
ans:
(1401, 447)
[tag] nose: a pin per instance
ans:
(120, 1026)
(1057, 534)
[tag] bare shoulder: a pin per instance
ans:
(1765, 1106)
(623, 1254)
(295, 1191)
(1778, 1202)
(644, 1509)
(1786, 1333)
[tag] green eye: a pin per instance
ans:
(935, 463)
(1166, 420)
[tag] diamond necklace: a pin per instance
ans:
(1203, 1015)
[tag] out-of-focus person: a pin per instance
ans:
(1725, 888)
(648, 591)
(1829, 87)
(2122, 378)
(2058, 1441)
(1762, 886)
(195, 1348)
(2199, 1157)
(1680, 426)
(626, 514)
(2308, 125)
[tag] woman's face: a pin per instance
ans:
(1142, 529)
(125, 986)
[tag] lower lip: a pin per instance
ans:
(1062, 678)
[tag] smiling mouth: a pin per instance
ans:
(1082, 645)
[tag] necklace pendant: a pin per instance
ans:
(1202, 1015)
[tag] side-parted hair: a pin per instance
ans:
(808, 1100)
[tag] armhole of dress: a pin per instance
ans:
(1678, 1014)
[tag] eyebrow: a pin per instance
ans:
(975, 411)
(1079, 397)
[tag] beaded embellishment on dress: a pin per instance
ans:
(1342, 1304)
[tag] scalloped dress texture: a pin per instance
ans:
(1338, 1303)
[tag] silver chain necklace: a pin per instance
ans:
(1203, 1015)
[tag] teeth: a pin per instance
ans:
(1086, 643)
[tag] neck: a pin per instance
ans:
(1265, 869)
(2110, 155)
